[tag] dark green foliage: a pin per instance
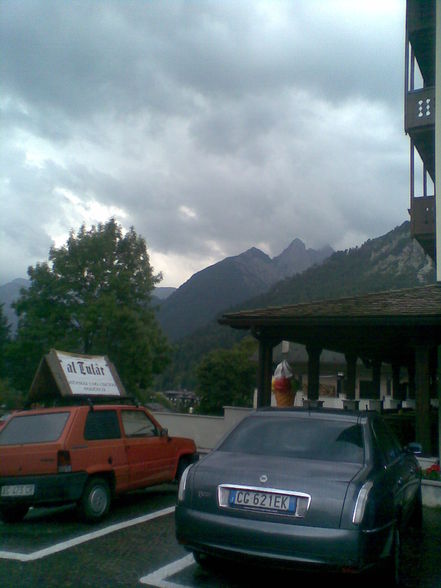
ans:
(93, 297)
(181, 372)
(227, 377)
(5, 331)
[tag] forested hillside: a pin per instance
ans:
(392, 261)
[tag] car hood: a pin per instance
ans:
(325, 482)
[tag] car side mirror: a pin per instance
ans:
(164, 433)
(415, 448)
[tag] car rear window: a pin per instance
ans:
(328, 440)
(34, 428)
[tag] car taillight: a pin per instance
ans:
(63, 462)
(183, 484)
(360, 505)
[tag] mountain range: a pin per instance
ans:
(188, 315)
(229, 283)
(222, 285)
(390, 262)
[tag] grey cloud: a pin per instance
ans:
(85, 57)
(269, 120)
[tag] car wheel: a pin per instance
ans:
(184, 462)
(13, 514)
(393, 570)
(206, 562)
(95, 501)
(416, 520)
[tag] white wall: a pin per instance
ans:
(206, 431)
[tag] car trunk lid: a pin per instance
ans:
(324, 482)
(33, 460)
(30, 443)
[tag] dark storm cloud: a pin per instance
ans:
(210, 126)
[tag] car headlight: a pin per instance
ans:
(183, 484)
(360, 505)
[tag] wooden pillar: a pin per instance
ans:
(376, 379)
(313, 371)
(422, 397)
(411, 380)
(433, 367)
(264, 373)
(351, 374)
(396, 390)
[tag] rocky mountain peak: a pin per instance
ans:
(296, 258)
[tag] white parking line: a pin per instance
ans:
(157, 579)
(84, 538)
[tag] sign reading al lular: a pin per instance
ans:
(88, 374)
(63, 373)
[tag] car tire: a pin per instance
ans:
(13, 514)
(206, 562)
(184, 462)
(95, 500)
(416, 520)
(393, 565)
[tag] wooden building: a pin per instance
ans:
(401, 328)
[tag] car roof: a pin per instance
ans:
(73, 408)
(317, 413)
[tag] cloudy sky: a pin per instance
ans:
(210, 126)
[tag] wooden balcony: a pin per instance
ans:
(420, 109)
(420, 124)
(422, 222)
(420, 25)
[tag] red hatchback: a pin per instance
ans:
(84, 455)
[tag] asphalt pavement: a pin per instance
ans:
(136, 547)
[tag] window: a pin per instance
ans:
(102, 424)
(34, 428)
(137, 424)
(386, 440)
(327, 440)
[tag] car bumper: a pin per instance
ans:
(298, 545)
(51, 489)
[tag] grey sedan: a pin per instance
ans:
(323, 489)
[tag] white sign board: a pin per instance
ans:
(88, 375)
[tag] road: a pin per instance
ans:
(135, 546)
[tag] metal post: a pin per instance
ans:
(438, 139)
(438, 186)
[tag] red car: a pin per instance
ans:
(84, 455)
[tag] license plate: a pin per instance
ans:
(18, 490)
(262, 500)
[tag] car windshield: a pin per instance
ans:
(33, 428)
(329, 440)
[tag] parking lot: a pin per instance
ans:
(135, 546)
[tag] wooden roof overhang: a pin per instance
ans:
(385, 326)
